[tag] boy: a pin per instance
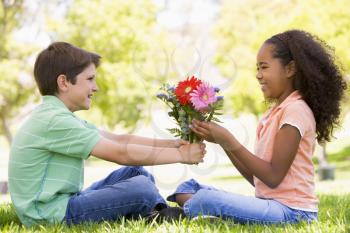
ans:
(46, 160)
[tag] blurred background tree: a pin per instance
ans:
(241, 39)
(137, 52)
(133, 50)
(16, 85)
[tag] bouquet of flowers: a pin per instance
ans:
(191, 99)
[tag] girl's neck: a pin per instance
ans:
(284, 96)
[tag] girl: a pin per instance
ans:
(298, 72)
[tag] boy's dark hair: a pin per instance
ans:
(318, 78)
(61, 58)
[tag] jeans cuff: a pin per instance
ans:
(190, 186)
(161, 203)
(186, 207)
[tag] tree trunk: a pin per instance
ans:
(325, 170)
(6, 129)
(323, 160)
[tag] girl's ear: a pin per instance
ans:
(62, 83)
(291, 69)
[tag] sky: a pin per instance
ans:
(175, 14)
(172, 16)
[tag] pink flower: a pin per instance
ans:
(203, 96)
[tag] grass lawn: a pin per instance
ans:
(334, 211)
(334, 216)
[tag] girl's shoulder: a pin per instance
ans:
(300, 111)
(299, 106)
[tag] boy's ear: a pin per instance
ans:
(62, 83)
(291, 69)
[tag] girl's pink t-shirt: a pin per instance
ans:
(297, 190)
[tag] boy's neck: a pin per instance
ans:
(66, 102)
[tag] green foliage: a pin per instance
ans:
(124, 33)
(9, 20)
(16, 85)
(341, 155)
(244, 25)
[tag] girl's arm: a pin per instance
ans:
(133, 139)
(240, 167)
(271, 173)
(207, 135)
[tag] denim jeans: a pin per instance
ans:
(208, 200)
(126, 192)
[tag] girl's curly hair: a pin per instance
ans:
(318, 77)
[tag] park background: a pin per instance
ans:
(145, 43)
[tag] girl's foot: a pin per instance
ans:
(181, 198)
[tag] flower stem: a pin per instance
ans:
(211, 115)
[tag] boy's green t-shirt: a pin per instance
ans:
(46, 164)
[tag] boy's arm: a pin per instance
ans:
(132, 154)
(133, 139)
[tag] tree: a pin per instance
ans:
(15, 82)
(134, 64)
(327, 19)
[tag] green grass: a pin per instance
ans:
(334, 212)
(334, 216)
(227, 178)
(341, 155)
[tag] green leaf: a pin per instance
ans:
(175, 131)
(216, 119)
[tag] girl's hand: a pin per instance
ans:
(210, 131)
(180, 142)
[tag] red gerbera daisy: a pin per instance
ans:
(185, 88)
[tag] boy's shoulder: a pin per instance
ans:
(59, 116)
(44, 117)
(47, 114)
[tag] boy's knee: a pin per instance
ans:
(136, 171)
(142, 171)
(144, 187)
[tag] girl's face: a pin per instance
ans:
(275, 79)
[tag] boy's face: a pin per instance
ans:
(79, 95)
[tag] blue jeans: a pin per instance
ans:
(126, 192)
(207, 200)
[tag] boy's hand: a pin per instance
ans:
(210, 131)
(180, 142)
(192, 153)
